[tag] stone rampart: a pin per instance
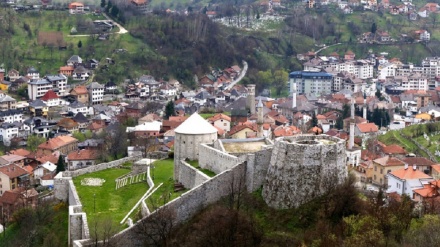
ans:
(99, 167)
(303, 167)
(215, 160)
(188, 204)
(257, 165)
(190, 177)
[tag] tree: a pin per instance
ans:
(378, 94)
(33, 141)
(280, 78)
(60, 164)
(115, 11)
(80, 44)
(169, 110)
(314, 121)
(102, 3)
(373, 28)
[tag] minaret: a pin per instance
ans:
(260, 120)
(293, 95)
(364, 108)
(351, 140)
(250, 103)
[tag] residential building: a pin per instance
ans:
(50, 98)
(38, 108)
(11, 116)
(76, 8)
(80, 93)
(96, 93)
(7, 132)
(74, 61)
(37, 88)
(82, 158)
(384, 165)
(59, 83)
(406, 180)
(77, 107)
(221, 121)
(80, 73)
(7, 102)
(308, 82)
(13, 75)
(11, 177)
(63, 144)
(147, 129)
(33, 73)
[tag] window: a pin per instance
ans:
(381, 171)
(374, 177)
(381, 181)
(225, 124)
(375, 168)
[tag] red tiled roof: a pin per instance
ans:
(84, 154)
(218, 117)
(389, 161)
(367, 127)
(393, 149)
(428, 190)
(80, 89)
(409, 173)
(20, 151)
(49, 95)
(241, 127)
(57, 142)
(420, 161)
(286, 131)
(13, 171)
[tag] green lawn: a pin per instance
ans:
(108, 202)
(163, 173)
(195, 164)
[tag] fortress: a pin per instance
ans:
(291, 171)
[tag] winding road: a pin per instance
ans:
(242, 74)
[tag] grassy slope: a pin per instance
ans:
(109, 202)
(163, 173)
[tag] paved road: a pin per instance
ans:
(242, 74)
(323, 48)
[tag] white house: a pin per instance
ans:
(11, 116)
(221, 121)
(33, 74)
(37, 88)
(405, 180)
(59, 83)
(76, 107)
(44, 169)
(168, 90)
(7, 132)
(96, 93)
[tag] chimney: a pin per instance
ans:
(414, 167)
(406, 166)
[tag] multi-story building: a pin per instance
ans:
(33, 73)
(308, 82)
(7, 102)
(59, 83)
(7, 132)
(412, 82)
(37, 88)
(80, 93)
(96, 93)
(11, 116)
(11, 177)
(64, 144)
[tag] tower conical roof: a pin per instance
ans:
(195, 125)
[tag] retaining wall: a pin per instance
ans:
(215, 160)
(190, 177)
(99, 167)
(188, 204)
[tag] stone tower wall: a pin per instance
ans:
(302, 168)
(187, 146)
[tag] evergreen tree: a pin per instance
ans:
(115, 11)
(339, 123)
(314, 120)
(102, 3)
(60, 164)
(80, 44)
(169, 110)
(373, 28)
(378, 94)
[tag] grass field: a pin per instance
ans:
(195, 164)
(104, 201)
(163, 173)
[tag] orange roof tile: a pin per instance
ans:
(84, 154)
(57, 142)
(367, 127)
(428, 190)
(13, 171)
(394, 149)
(436, 167)
(80, 89)
(218, 117)
(286, 131)
(409, 173)
(389, 161)
(20, 151)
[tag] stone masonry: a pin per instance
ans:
(303, 167)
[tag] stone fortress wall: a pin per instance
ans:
(188, 147)
(190, 177)
(303, 167)
(65, 190)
